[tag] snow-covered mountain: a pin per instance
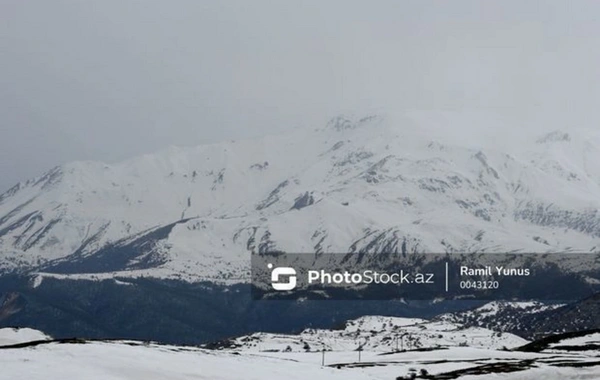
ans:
(415, 183)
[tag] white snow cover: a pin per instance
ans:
(412, 179)
(589, 339)
(137, 360)
(10, 336)
(381, 334)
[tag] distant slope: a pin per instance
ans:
(376, 333)
(579, 316)
(173, 311)
(531, 320)
(500, 315)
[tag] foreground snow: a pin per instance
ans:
(122, 360)
(108, 361)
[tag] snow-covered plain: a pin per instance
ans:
(120, 360)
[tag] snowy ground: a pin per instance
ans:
(122, 360)
(119, 360)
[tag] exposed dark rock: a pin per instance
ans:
(548, 215)
(556, 136)
(218, 179)
(273, 196)
(303, 200)
(128, 254)
(340, 123)
(262, 166)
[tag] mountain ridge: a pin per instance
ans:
(367, 184)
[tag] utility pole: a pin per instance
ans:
(323, 358)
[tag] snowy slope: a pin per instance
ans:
(10, 336)
(405, 184)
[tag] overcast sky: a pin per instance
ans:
(111, 79)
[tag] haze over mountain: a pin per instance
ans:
(113, 80)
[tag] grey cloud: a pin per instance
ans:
(110, 79)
